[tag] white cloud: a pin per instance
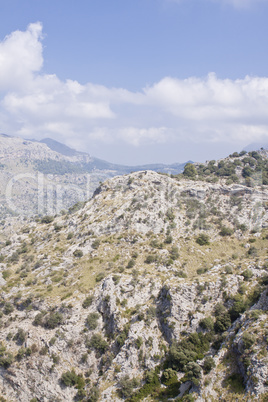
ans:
(20, 57)
(196, 110)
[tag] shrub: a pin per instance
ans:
(181, 274)
(188, 350)
(206, 323)
(120, 340)
(193, 372)
(78, 253)
(150, 259)
(71, 379)
(131, 263)
(247, 274)
(38, 319)
(126, 386)
(98, 343)
(100, 276)
(248, 340)
(167, 375)
(238, 308)
(168, 239)
(88, 301)
(95, 244)
(190, 170)
(6, 358)
(174, 253)
(8, 308)
(138, 342)
(225, 231)
(47, 219)
(202, 239)
(116, 279)
(208, 364)
(92, 320)
(222, 323)
(20, 336)
(247, 171)
(93, 395)
(52, 320)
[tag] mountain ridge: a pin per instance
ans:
(151, 290)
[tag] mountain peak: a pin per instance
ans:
(59, 147)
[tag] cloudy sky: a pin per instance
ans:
(136, 81)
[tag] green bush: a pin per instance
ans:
(95, 244)
(131, 263)
(126, 386)
(208, 364)
(168, 239)
(207, 323)
(6, 358)
(190, 171)
(71, 379)
(93, 395)
(222, 323)
(152, 386)
(202, 239)
(188, 350)
(237, 308)
(248, 340)
(20, 336)
(88, 301)
(174, 253)
(150, 259)
(98, 343)
(193, 372)
(92, 320)
(138, 342)
(51, 320)
(225, 231)
(167, 375)
(38, 319)
(100, 276)
(247, 274)
(120, 339)
(78, 253)
(8, 308)
(47, 219)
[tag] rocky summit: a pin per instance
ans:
(153, 290)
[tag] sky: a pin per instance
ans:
(136, 81)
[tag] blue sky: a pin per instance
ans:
(136, 81)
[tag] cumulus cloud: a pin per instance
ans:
(20, 57)
(172, 110)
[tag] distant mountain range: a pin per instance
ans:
(45, 177)
(100, 164)
(255, 146)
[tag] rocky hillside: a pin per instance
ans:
(154, 290)
(45, 177)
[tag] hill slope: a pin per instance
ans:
(155, 288)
